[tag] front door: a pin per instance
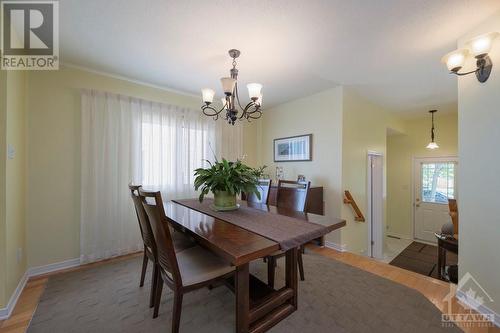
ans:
(435, 183)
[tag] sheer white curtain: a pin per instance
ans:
(126, 140)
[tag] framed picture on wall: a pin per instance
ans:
(293, 148)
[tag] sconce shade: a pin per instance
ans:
(455, 60)
(228, 85)
(481, 45)
(208, 95)
(254, 90)
(432, 145)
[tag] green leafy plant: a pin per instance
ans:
(231, 177)
(259, 172)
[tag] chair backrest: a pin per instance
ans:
(153, 205)
(144, 225)
(264, 188)
(293, 195)
(452, 204)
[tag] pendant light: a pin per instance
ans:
(432, 144)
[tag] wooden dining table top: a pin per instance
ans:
(235, 244)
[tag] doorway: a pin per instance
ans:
(375, 205)
(435, 181)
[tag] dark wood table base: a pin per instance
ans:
(260, 307)
(443, 246)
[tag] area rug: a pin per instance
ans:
(422, 258)
(335, 297)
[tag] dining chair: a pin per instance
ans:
(184, 271)
(264, 187)
(181, 242)
(291, 195)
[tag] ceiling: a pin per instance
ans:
(389, 51)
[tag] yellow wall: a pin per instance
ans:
(321, 115)
(12, 183)
(401, 150)
(15, 181)
(53, 173)
(3, 161)
(364, 129)
(40, 117)
(478, 200)
(344, 127)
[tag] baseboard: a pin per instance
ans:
(480, 308)
(32, 272)
(394, 234)
(39, 270)
(335, 246)
(7, 310)
(425, 242)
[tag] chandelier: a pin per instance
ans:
(231, 102)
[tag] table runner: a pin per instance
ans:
(288, 232)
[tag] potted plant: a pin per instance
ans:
(226, 180)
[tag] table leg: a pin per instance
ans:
(242, 298)
(440, 259)
(443, 259)
(291, 274)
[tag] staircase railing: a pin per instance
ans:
(349, 200)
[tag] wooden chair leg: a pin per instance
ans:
(301, 265)
(144, 267)
(154, 283)
(271, 267)
(176, 316)
(159, 289)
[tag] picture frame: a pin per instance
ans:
(293, 148)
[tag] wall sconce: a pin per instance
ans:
(479, 47)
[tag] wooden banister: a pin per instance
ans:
(349, 200)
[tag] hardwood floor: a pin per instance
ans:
(433, 289)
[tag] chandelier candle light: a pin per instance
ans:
(432, 144)
(231, 101)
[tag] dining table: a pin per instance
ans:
(249, 233)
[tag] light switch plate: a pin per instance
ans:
(11, 152)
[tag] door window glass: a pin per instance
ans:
(438, 182)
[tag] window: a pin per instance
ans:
(171, 151)
(438, 182)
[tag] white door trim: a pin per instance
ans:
(416, 159)
(369, 205)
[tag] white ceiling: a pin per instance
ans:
(388, 50)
